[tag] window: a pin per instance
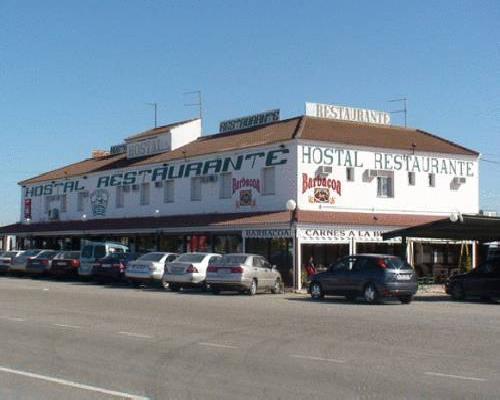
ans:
(384, 186)
(195, 189)
(411, 178)
(120, 197)
(82, 200)
(225, 185)
(432, 180)
(268, 180)
(145, 194)
(169, 191)
(64, 203)
(350, 174)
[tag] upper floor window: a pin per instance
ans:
(268, 180)
(120, 197)
(385, 186)
(169, 191)
(82, 200)
(350, 174)
(432, 179)
(411, 178)
(195, 189)
(64, 202)
(145, 194)
(225, 185)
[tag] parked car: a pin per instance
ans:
(113, 266)
(41, 263)
(188, 270)
(6, 259)
(94, 251)
(373, 276)
(65, 263)
(482, 282)
(243, 273)
(149, 267)
(19, 262)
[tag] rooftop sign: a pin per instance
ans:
(249, 121)
(347, 113)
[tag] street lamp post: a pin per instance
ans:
(291, 206)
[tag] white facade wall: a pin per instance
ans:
(282, 159)
(292, 162)
(361, 194)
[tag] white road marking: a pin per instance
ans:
(466, 378)
(73, 384)
(136, 335)
(16, 319)
(333, 360)
(222, 346)
(68, 326)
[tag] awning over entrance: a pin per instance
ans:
(466, 227)
(226, 221)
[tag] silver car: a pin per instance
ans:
(188, 270)
(148, 268)
(19, 263)
(6, 259)
(244, 273)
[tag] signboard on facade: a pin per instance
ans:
(118, 149)
(344, 113)
(148, 147)
(267, 233)
(340, 234)
(249, 121)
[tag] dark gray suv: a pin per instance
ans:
(373, 276)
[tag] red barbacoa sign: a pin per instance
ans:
(324, 188)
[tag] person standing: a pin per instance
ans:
(310, 268)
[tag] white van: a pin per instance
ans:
(93, 251)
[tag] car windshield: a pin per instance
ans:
(151, 257)
(69, 255)
(191, 257)
(47, 254)
(9, 254)
(396, 263)
(232, 259)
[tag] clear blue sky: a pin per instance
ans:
(75, 75)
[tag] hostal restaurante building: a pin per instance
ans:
(350, 174)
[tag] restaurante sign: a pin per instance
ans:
(347, 113)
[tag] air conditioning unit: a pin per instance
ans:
(54, 214)
(324, 170)
(372, 173)
(158, 184)
(126, 188)
(458, 180)
(135, 188)
(209, 178)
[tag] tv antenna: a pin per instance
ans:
(403, 110)
(155, 105)
(198, 104)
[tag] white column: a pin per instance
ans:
(299, 261)
(474, 254)
(409, 252)
(243, 242)
(294, 261)
(352, 246)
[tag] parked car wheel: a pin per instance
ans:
(277, 287)
(370, 294)
(406, 299)
(174, 287)
(457, 292)
(316, 291)
(252, 290)
(164, 283)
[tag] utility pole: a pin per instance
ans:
(403, 110)
(198, 104)
(155, 105)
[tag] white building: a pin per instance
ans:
(171, 188)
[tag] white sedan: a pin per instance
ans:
(149, 267)
(188, 270)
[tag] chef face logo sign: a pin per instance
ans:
(99, 201)
(245, 188)
(324, 188)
